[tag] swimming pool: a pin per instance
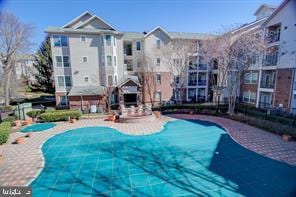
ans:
(186, 158)
(38, 127)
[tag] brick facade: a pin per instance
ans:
(283, 88)
(75, 102)
(164, 87)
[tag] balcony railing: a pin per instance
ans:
(270, 60)
(201, 98)
(202, 82)
(266, 84)
(192, 82)
(265, 105)
(273, 37)
(202, 66)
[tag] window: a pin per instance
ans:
(86, 79)
(63, 100)
(110, 80)
(62, 61)
(158, 61)
(251, 78)
(60, 40)
(115, 62)
(61, 82)
(109, 60)
(66, 61)
(158, 44)
(83, 38)
(158, 78)
(68, 81)
(249, 97)
(108, 40)
(59, 61)
(158, 96)
(84, 59)
(138, 45)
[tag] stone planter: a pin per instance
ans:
(111, 117)
(287, 138)
(157, 114)
(17, 123)
(20, 140)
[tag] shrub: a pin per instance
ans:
(63, 115)
(5, 128)
(34, 113)
(9, 119)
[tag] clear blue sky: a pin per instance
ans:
(202, 16)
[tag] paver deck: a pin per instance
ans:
(23, 162)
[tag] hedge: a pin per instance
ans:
(5, 128)
(196, 108)
(34, 113)
(63, 115)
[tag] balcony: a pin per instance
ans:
(274, 33)
(271, 57)
(128, 49)
(202, 66)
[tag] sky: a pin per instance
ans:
(198, 16)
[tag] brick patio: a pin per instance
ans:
(23, 162)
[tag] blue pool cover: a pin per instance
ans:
(38, 127)
(188, 158)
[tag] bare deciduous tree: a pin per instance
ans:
(147, 76)
(233, 52)
(14, 39)
(175, 56)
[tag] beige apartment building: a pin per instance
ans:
(91, 58)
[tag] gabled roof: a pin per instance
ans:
(128, 78)
(75, 20)
(94, 17)
(262, 6)
(133, 35)
(277, 10)
(158, 28)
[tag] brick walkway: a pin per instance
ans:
(257, 140)
(23, 162)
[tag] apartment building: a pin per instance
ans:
(92, 58)
(271, 83)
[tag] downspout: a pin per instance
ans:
(81, 98)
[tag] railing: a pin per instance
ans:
(265, 105)
(273, 38)
(266, 85)
(202, 66)
(270, 60)
(201, 98)
(202, 82)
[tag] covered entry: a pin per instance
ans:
(130, 92)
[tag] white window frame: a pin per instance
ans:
(108, 80)
(106, 39)
(60, 40)
(248, 98)
(86, 59)
(111, 63)
(158, 45)
(61, 63)
(70, 80)
(83, 36)
(158, 81)
(158, 64)
(138, 41)
(64, 84)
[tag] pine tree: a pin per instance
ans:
(43, 65)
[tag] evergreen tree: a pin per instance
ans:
(43, 65)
